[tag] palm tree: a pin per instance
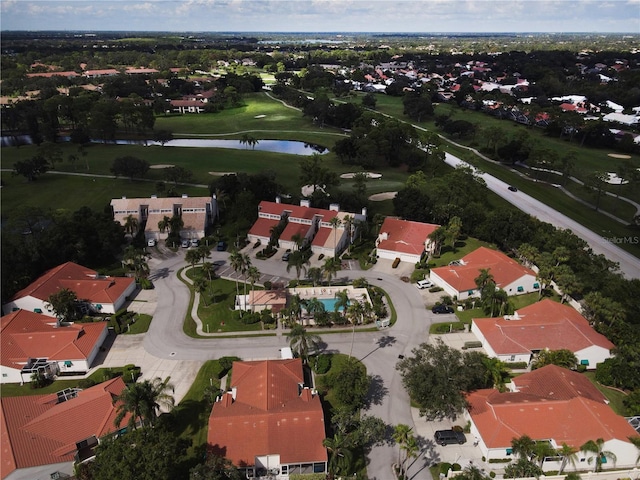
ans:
(297, 260)
(314, 307)
(437, 238)
(164, 224)
(302, 342)
(354, 313)
(542, 450)
(295, 307)
(523, 446)
(237, 264)
(131, 401)
(496, 371)
(342, 301)
(254, 276)
(130, 224)
(483, 279)
(348, 222)
(601, 455)
(221, 198)
(192, 257)
(298, 240)
(339, 454)
(144, 401)
(315, 275)
(136, 259)
(331, 267)
(569, 455)
(335, 223)
(208, 269)
(401, 434)
(200, 285)
(411, 449)
(245, 264)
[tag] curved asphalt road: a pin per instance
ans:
(629, 265)
(379, 351)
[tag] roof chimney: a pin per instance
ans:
(364, 212)
(335, 207)
(278, 200)
(154, 196)
(305, 203)
(184, 195)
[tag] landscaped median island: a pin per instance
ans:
(224, 308)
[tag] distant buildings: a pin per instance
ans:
(327, 232)
(197, 214)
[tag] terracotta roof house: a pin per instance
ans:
(31, 342)
(258, 300)
(140, 71)
(69, 74)
(101, 293)
(269, 422)
(404, 239)
(458, 278)
(555, 405)
(542, 325)
(311, 224)
(42, 436)
(197, 213)
(187, 106)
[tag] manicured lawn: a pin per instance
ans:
(615, 397)
(219, 315)
(192, 413)
(141, 324)
(463, 247)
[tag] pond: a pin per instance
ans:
(291, 147)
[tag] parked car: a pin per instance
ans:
(194, 242)
(512, 188)
(442, 309)
(151, 242)
(449, 437)
(424, 284)
(286, 255)
(221, 247)
(185, 243)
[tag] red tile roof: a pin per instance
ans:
(504, 269)
(38, 431)
(500, 417)
(292, 229)
(557, 383)
(323, 234)
(53, 74)
(405, 236)
(262, 227)
(269, 415)
(78, 279)
(545, 324)
(25, 335)
(296, 211)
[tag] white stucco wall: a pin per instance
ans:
(28, 303)
(404, 257)
(449, 290)
(594, 354)
(527, 283)
(9, 375)
(42, 472)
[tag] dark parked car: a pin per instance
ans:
(286, 255)
(512, 188)
(222, 246)
(449, 437)
(442, 309)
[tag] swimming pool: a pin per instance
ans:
(330, 304)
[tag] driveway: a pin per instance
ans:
(166, 350)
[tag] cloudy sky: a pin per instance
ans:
(622, 16)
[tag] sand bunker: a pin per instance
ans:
(162, 165)
(219, 174)
(369, 175)
(618, 155)
(379, 197)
